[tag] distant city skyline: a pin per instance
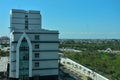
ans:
(75, 19)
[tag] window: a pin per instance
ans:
(24, 40)
(24, 48)
(25, 57)
(36, 55)
(36, 37)
(36, 46)
(26, 16)
(26, 26)
(36, 64)
(26, 22)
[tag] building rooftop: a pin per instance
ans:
(39, 31)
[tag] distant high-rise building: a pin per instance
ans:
(33, 50)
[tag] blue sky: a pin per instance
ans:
(78, 19)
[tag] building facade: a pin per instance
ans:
(33, 50)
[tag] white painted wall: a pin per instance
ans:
(33, 18)
(12, 74)
(32, 36)
(33, 27)
(14, 66)
(48, 46)
(49, 37)
(46, 55)
(13, 47)
(17, 20)
(17, 37)
(43, 37)
(18, 26)
(13, 56)
(34, 21)
(19, 15)
(46, 64)
(45, 72)
(34, 15)
(49, 64)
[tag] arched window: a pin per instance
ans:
(24, 59)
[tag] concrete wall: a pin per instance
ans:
(34, 21)
(13, 56)
(13, 47)
(18, 19)
(46, 64)
(44, 37)
(17, 37)
(49, 46)
(49, 37)
(33, 15)
(18, 15)
(46, 55)
(45, 72)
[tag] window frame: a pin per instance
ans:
(36, 46)
(37, 55)
(37, 37)
(36, 64)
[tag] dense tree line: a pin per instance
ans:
(4, 53)
(114, 45)
(106, 64)
(103, 63)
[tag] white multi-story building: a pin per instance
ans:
(33, 50)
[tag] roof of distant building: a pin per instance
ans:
(4, 38)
